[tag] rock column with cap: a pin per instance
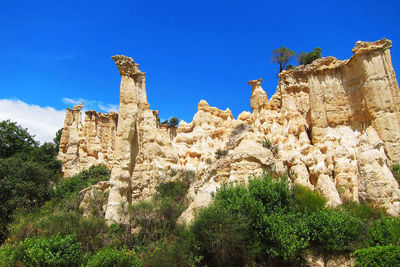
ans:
(132, 99)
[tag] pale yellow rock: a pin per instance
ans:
(333, 126)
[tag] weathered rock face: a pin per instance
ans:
(333, 126)
(87, 144)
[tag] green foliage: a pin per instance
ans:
(7, 255)
(384, 232)
(221, 235)
(289, 67)
(82, 180)
(22, 184)
(181, 250)
(164, 122)
(282, 56)
(270, 226)
(365, 212)
(27, 172)
(173, 121)
(266, 143)
(57, 139)
(110, 257)
(300, 58)
(396, 172)
(334, 230)
(313, 55)
(287, 235)
(382, 256)
(157, 218)
(307, 200)
(57, 250)
(14, 139)
(219, 153)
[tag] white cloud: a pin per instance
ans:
(91, 104)
(43, 122)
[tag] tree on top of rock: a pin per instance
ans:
(173, 121)
(282, 56)
(307, 58)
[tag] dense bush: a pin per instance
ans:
(313, 55)
(268, 220)
(221, 236)
(365, 212)
(56, 250)
(334, 230)
(307, 200)
(287, 235)
(23, 184)
(7, 255)
(384, 232)
(27, 171)
(82, 180)
(382, 256)
(110, 257)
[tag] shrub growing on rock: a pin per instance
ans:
(377, 256)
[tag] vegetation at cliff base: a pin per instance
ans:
(267, 222)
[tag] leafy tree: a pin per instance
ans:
(22, 184)
(57, 139)
(300, 57)
(173, 121)
(164, 122)
(14, 139)
(282, 56)
(27, 172)
(313, 55)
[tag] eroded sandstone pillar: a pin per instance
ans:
(70, 141)
(132, 100)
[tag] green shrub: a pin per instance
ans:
(313, 55)
(110, 257)
(384, 232)
(221, 236)
(366, 212)
(84, 179)
(386, 256)
(286, 235)
(334, 230)
(274, 194)
(219, 153)
(267, 143)
(23, 184)
(181, 250)
(58, 250)
(7, 255)
(307, 200)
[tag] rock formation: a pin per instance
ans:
(92, 143)
(333, 126)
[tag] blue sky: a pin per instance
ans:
(190, 50)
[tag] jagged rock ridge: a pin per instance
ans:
(333, 125)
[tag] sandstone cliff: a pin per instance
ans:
(333, 126)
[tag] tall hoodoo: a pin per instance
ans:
(333, 126)
(132, 99)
